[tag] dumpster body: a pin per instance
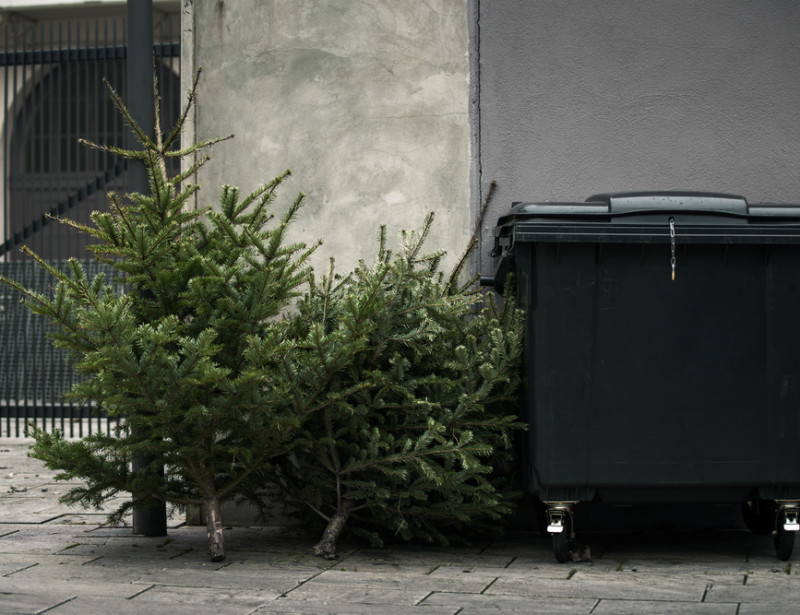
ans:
(662, 354)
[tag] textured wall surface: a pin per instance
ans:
(366, 102)
(582, 97)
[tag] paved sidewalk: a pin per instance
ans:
(59, 560)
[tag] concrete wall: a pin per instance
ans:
(580, 97)
(366, 102)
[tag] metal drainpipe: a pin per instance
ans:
(150, 519)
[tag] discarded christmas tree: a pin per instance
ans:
(384, 400)
(418, 404)
(186, 356)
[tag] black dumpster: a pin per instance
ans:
(662, 354)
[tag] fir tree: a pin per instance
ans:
(187, 356)
(416, 395)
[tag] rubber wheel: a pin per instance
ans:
(562, 542)
(784, 543)
(759, 516)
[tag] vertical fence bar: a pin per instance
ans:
(10, 389)
(73, 89)
(36, 134)
(92, 95)
(21, 226)
(60, 168)
(45, 128)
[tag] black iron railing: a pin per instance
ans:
(53, 94)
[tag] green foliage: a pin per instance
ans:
(417, 390)
(186, 355)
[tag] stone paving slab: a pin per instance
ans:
(416, 582)
(478, 604)
(365, 594)
(609, 587)
(415, 558)
(334, 606)
(776, 588)
(88, 605)
(766, 608)
(642, 607)
(275, 581)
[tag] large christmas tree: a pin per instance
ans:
(172, 356)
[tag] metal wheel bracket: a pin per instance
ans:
(556, 525)
(557, 514)
(789, 516)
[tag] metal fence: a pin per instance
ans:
(35, 374)
(52, 74)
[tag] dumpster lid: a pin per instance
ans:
(647, 217)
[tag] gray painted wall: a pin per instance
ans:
(579, 97)
(367, 103)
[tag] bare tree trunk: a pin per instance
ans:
(326, 547)
(216, 546)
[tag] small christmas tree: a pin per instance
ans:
(417, 399)
(186, 356)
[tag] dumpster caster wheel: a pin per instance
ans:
(562, 542)
(784, 544)
(559, 526)
(788, 524)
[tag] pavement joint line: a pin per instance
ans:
(8, 574)
(139, 593)
(596, 604)
(424, 598)
(485, 548)
(492, 582)
(301, 583)
(189, 550)
(55, 606)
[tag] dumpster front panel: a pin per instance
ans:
(637, 383)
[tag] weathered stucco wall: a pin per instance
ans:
(366, 102)
(582, 97)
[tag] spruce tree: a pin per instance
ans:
(186, 355)
(416, 396)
